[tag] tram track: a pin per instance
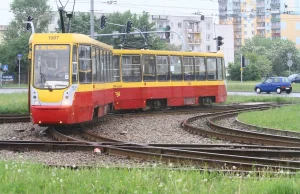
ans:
(241, 157)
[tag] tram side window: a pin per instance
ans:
(110, 67)
(85, 66)
(219, 69)
(131, 69)
(200, 68)
(162, 68)
(98, 65)
(149, 68)
(188, 68)
(211, 69)
(74, 65)
(116, 68)
(102, 66)
(176, 68)
(94, 67)
(224, 69)
(106, 67)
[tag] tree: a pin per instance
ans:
(278, 56)
(81, 24)
(269, 57)
(21, 9)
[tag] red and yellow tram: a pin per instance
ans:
(75, 79)
(153, 79)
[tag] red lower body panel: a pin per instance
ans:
(135, 98)
(52, 114)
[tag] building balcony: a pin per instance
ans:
(236, 8)
(237, 21)
(275, 11)
(260, 20)
(194, 41)
(193, 31)
(275, 27)
(236, 1)
(238, 36)
(260, 5)
(237, 29)
(260, 27)
(160, 17)
(261, 13)
(275, 4)
(276, 35)
(261, 34)
(237, 43)
(275, 20)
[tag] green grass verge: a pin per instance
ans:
(241, 99)
(15, 86)
(285, 118)
(34, 178)
(17, 103)
(13, 103)
(248, 86)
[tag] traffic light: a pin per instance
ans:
(167, 34)
(103, 22)
(219, 42)
(128, 27)
(243, 62)
(29, 19)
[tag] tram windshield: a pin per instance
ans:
(51, 66)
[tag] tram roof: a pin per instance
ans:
(65, 38)
(162, 52)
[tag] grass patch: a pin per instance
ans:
(34, 178)
(285, 118)
(15, 86)
(240, 99)
(15, 103)
(248, 86)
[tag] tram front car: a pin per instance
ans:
(52, 88)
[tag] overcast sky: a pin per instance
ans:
(163, 7)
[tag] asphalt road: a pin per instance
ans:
(15, 90)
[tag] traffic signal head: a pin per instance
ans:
(29, 19)
(128, 27)
(219, 42)
(243, 61)
(103, 22)
(167, 34)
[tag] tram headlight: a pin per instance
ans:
(66, 102)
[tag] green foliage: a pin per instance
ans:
(16, 37)
(21, 9)
(267, 58)
(234, 71)
(81, 24)
(9, 50)
(285, 118)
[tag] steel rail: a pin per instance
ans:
(276, 138)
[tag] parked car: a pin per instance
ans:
(295, 78)
(274, 84)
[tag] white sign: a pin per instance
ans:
(290, 63)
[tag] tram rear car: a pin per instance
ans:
(158, 79)
(70, 79)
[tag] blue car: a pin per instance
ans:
(274, 84)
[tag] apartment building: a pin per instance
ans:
(3, 28)
(197, 33)
(252, 18)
